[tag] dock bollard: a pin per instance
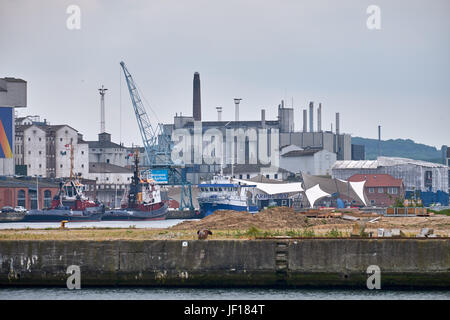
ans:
(63, 224)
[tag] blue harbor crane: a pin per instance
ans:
(158, 146)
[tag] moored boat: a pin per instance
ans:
(223, 194)
(142, 201)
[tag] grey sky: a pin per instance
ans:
(261, 51)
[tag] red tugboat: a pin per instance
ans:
(142, 201)
(69, 204)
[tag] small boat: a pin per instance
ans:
(69, 204)
(142, 200)
(222, 194)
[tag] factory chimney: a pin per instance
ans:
(311, 116)
(305, 120)
(236, 108)
(379, 141)
(319, 118)
(102, 92)
(337, 124)
(263, 118)
(197, 105)
(219, 113)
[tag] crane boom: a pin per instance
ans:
(155, 150)
(158, 145)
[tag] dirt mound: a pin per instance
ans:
(272, 218)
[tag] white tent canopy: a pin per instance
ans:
(358, 187)
(275, 188)
(315, 193)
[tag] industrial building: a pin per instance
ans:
(45, 150)
(381, 190)
(13, 94)
(329, 146)
(426, 180)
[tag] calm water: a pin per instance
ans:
(149, 293)
(215, 294)
(96, 224)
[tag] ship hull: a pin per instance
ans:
(60, 215)
(128, 214)
(208, 208)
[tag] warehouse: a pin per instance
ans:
(426, 180)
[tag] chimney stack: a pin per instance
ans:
(319, 118)
(219, 113)
(236, 108)
(337, 124)
(379, 141)
(305, 120)
(197, 105)
(311, 116)
(263, 118)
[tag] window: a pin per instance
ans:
(60, 139)
(21, 198)
(47, 199)
(371, 190)
(33, 199)
(393, 190)
(248, 176)
(60, 166)
(240, 176)
(267, 176)
(82, 165)
(40, 152)
(380, 190)
(275, 176)
(82, 152)
(372, 202)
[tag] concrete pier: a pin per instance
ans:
(293, 262)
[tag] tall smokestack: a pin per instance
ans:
(263, 118)
(219, 113)
(102, 92)
(236, 108)
(311, 116)
(379, 141)
(319, 118)
(197, 104)
(305, 120)
(337, 123)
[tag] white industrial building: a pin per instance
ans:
(45, 150)
(309, 161)
(111, 181)
(104, 150)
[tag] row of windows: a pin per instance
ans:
(390, 190)
(241, 176)
(21, 198)
(216, 189)
(61, 166)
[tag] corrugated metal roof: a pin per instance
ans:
(383, 162)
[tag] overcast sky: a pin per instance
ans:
(261, 51)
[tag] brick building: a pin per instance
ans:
(23, 192)
(381, 190)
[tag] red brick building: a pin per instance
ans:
(23, 192)
(381, 190)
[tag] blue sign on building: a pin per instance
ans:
(160, 175)
(6, 132)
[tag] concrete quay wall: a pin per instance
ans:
(275, 262)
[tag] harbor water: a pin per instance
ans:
(133, 293)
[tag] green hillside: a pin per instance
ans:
(399, 148)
